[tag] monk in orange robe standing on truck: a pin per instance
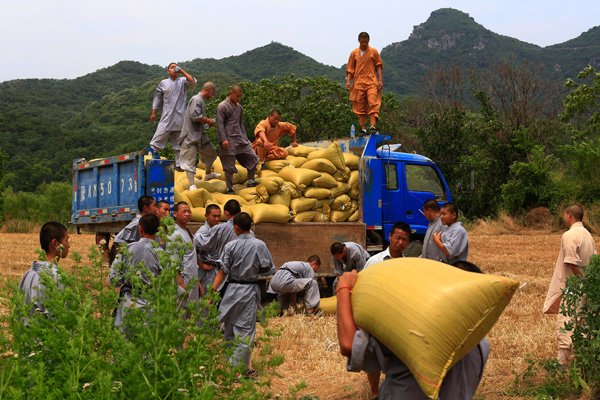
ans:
(268, 133)
(365, 91)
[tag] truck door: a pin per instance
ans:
(422, 182)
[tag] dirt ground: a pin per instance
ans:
(310, 346)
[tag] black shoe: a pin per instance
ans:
(252, 374)
(252, 184)
(280, 314)
(178, 168)
(230, 191)
(373, 130)
(363, 132)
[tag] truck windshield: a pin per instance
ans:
(425, 178)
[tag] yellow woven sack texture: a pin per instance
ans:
(276, 165)
(257, 194)
(265, 172)
(301, 177)
(333, 153)
(273, 183)
(284, 198)
(342, 203)
(312, 192)
(198, 197)
(304, 216)
(302, 204)
(353, 179)
(300, 151)
(428, 314)
(323, 214)
(182, 196)
(223, 198)
(325, 181)
(342, 175)
(340, 189)
(340, 216)
(270, 213)
(198, 214)
(320, 165)
(296, 193)
(353, 217)
(328, 305)
(296, 161)
(351, 160)
(322, 202)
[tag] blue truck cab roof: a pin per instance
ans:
(390, 152)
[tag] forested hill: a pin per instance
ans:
(46, 123)
(452, 37)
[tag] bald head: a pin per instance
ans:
(235, 94)
(208, 90)
(208, 86)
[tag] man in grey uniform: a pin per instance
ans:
(366, 353)
(233, 141)
(170, 97)
(431, 210)
(243, 261)
(347, 256)
(142, 253)
(453, 242)
(295, 277)
(130, 234)
(189, 263)
(209, 261)
(193, 138)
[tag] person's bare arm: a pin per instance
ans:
(266, 142)
(346, 327)
(219, 279)
(348, 80)
(379, 70)
(188, 77)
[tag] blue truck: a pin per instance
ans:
(394, 186)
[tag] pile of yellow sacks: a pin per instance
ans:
(310, 185)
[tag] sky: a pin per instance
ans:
(68, 39)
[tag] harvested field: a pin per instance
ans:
(310, 344)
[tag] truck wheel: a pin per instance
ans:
(413, 249)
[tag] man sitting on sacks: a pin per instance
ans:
(366, 353)
(268, 133)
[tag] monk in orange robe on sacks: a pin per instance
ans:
(365, 91)
(268, 133)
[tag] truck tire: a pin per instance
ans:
(413, 249)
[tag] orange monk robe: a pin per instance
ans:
(365, 85)
(273, 135)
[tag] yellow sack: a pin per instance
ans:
(304, 216)
(257, 194)
(283, 198)
(353, 179)
(322, 202)
(182, 196)
(340, 189)
(296, 161)
(342, 203)
(198, 214)
(276, 165)
(265, 172)
(325, 181)
(321, 165)
(340, 216)
(312, 192)
(300, 151)
(351, 160)
(199, 173)
(223, 198)
(273, 183)
(302, 204)
(180, 187)
(218, 185)
(301, 177)
(428, 314)
(342, 175)
(333, 153)
(180, 177)
(296, 193)
(322, 214)
(353, 217)
(270, 213)
(216, 167)
(328, 305)
(247, 209)
(198, 197)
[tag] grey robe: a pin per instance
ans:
(32, 287)
(201, 238)
(430, 250)
(189, 263)
(356, 258)
(243, 260)
(130, 233)
(170, 97)
(460, 383)
(192, 131)
(141, 252)
(230, 127)
(456, 241)
(295, 277)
